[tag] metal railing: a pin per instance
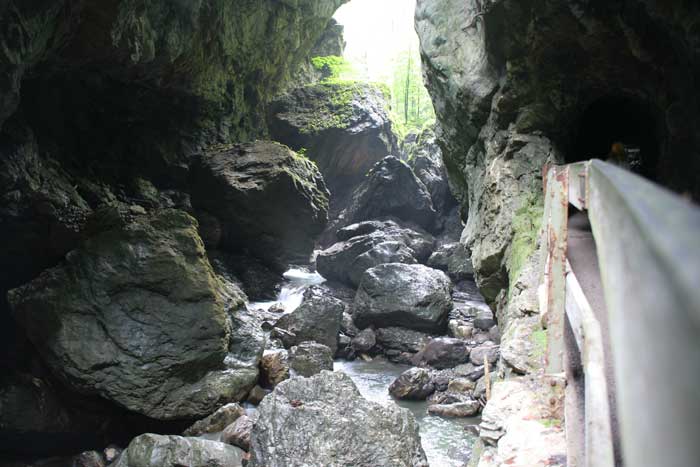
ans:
(647, 242)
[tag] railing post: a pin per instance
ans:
(555, 225)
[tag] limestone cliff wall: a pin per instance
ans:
(515, 84)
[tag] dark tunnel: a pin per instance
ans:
(613, 119)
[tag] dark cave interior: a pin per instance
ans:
(612, 119)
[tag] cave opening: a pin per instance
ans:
(622, 119)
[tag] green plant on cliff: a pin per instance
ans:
(526, 226)
(332, 67)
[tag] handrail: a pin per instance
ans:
(648, 245)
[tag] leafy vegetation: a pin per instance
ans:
(411, 107)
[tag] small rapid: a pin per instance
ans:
(297, 280)
(445, 441)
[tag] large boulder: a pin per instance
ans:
(316, 319)
(401, 339)
(443, 352)
(310, 358)
(408, 295)
(344, 127)
(216, 422)
(454, 259)
(371, 243)
(390, 189)
(136, 315)
(324, 420)
(243, 185)
(412, 384)
(150, 450)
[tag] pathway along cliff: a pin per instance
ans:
(164, 164)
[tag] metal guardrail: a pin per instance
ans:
(648, 247)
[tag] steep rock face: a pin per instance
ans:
(270, 201)
(209, 58)
(331, 43)
(390, 189)
(507, 105)
(425, 158)
(137, 316)
(323, 420)
(344, 127)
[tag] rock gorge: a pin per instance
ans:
(164, 164)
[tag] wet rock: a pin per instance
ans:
(89, 459)
(344, 128)
(470, 371)
(274, 367)
(401, 339)
(316, 319)
(256, 395)
(443, 352)
(488, 352)
(258, 281)
(345, 349)
(442, 378)
(484, 319)
(242, 186)
(390, 189)
(238, 433)
(151, 450)
(215, 422)
(307, 421)
(369, 244)
(460, 409)
(365, 341)
(408, 295)
(412, 384)
(454, 259)
(127, 309)
(480, 389)
(462, 385)
(310, 358)
(347, 326)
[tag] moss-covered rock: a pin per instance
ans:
(343, 126)
(271, 201)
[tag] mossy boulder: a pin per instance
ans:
(136, 315)
(344, 127)
(270, 201)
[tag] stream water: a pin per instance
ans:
(445, 441)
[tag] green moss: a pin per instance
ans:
(539, 343)
(526, 226)
(551, 422)
(331, 66)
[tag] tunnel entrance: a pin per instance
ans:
(614, 119)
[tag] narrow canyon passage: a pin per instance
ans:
(270, 233)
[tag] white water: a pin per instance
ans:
(292, 292)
